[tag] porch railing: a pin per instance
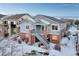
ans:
(42, 39)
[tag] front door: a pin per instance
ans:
(38, 28)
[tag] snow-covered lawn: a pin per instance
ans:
(10, 47)
(73, 30)
(70, 49)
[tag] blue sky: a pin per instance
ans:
(46, 9)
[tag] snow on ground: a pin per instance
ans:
(73, 40)
(28, 48)
(73, 30)
(54, 52)
(64, 41)
(70, 49)
(11, 47)
(52, 45)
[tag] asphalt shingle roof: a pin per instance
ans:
(48, 18)
(14, 17)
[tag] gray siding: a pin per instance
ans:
(56, 32)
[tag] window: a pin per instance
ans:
(13, 25)
(27, 27)
(5, 22)
(18, 29)
(54, 27)
(42, 28)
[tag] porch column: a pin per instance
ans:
(77, 48)
(9, 28)
(2, 30)
(78, 33)
(44, 27)
(17, 27)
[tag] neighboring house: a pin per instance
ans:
(66, 25)
(1, 25)
(11, 24)
(21, 24)
(68, 22)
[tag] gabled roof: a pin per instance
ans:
(39, 20)
(48, 19)
(14, 17)
(53, 18)
(29, 20)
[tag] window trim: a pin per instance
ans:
(54, 28)
(27, 26)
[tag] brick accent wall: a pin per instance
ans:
(27, 37)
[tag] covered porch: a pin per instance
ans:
(10, 28)
(42, 29)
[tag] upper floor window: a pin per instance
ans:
(19, 22)
(54, 27)
(27, 26)
(5, 22)
(42, 28)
